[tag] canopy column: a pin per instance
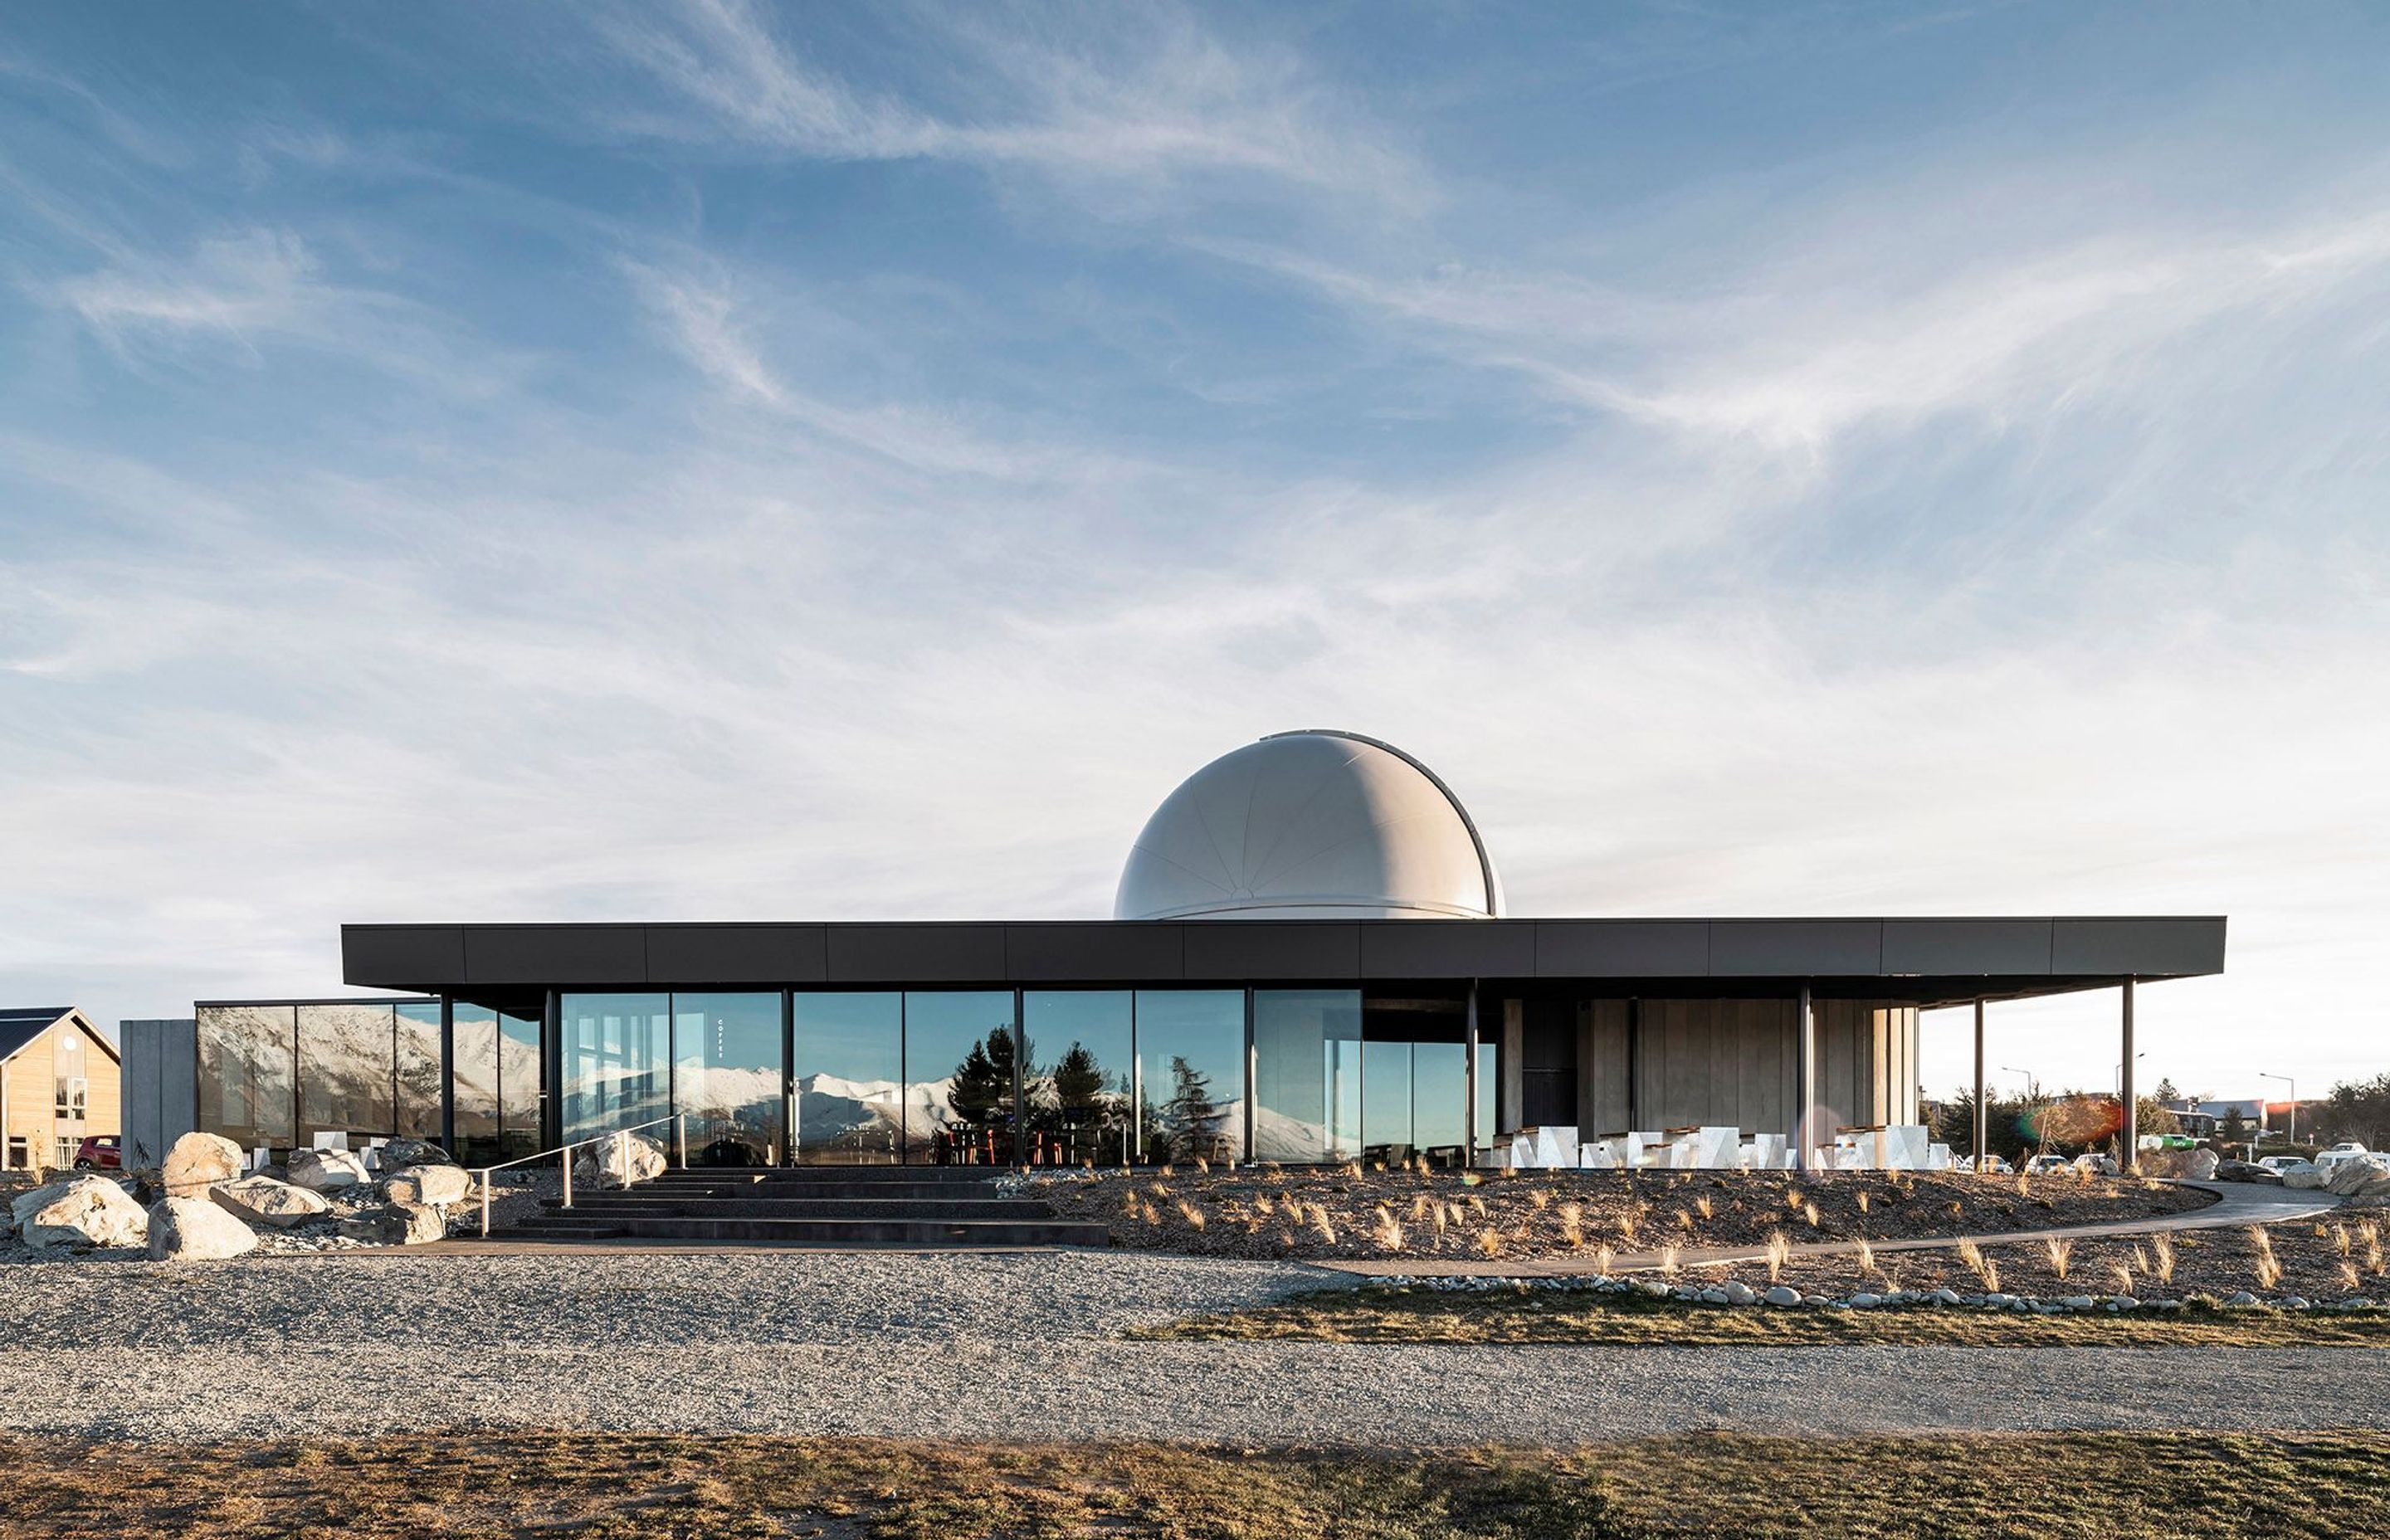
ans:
(2129, 1127)
(1805, 1090)
(1983, 1113)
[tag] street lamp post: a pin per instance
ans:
(2293, 1084)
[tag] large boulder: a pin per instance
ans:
(193, 1229)
(2199, 1165)
(2352, 1176)
(619, 1159)
(198, 1162)
(79, 1215)
(437, 1186)
(2304, 1179)
(264, 1201)
(325, 1170)
(399, 1154)
(397, 1224)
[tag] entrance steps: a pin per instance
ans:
(825, 1206)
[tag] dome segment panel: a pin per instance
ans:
(1309, 825)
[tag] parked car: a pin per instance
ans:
(2280, 1162)
(99, 1152)
(1993, 1165)
(2042, 1165)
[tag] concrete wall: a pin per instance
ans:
(1731, 1062)
(161, 1086)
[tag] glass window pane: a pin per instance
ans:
(1307, 1074)
(958, 1054)
(419, 1071)
(475, 1032)
(346, 1072)
(1191, 1057)
(1082, 1104)
(726, 1076)
(1415, 1083)
(246, 1074)
(616, 1065)
(522, 1092)
(850, 1069)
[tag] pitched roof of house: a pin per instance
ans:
(21, 1024)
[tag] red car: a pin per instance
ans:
(99, 1152)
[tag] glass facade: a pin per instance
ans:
(849, 1073)
(617, 1062)
(417, 1071)
(1084, 1103)
(961, 1068)
(248, 1073)
(727, 1077)
(1415, 1080)
(1306, 1075)
(1191, 1055)
(928, 1077)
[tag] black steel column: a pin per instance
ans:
(2129, 1147)
(1469, 1085)
(1020, 1083)
(1982, 1114)
(551, 1071)
(788, 1077)
(448, 1073)
(1252, 1075)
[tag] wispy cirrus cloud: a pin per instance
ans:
(1135, 94)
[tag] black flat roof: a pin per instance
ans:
(1928, 960)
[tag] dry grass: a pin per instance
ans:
(1552, 1213)
(1520, 1314)
(2048, 1486)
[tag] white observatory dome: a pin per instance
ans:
(1310, 824)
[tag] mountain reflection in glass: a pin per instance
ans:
(849, 1076)
(1084, 1102)
(617, 1062)
(727, 1077)
(1307, 1074)
(959, 1077)
(1191, 1055)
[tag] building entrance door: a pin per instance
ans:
(727, 1078)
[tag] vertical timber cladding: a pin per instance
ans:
(1734, 1062)
(1602, 1057)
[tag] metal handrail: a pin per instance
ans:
(680, 1158)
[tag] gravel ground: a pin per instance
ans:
(1015, 1347)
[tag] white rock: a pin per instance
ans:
(325, 1170)
(620, 1160)
(2243, 1298)
(2199, 1165)
(1866, 1302)
(398, 1154)
(198, 1162)
(438, 1186)
(2079, 1301)
(1946, 1296)
(1782, 1296)
(264, 1201)
(1714, 1296)
(79, 1213)
(193, 1229)
(2304, 1181)
(1737, 1292)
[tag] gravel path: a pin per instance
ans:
(970, 1346)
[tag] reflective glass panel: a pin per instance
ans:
(1415, 1080)
(246, 1073)
(521, 1093)
(475, 1029)
(1191, 1055)
(850, 1069)
(346, 1072)
(1083, 1104)
(727, 1077)
(419, 1071)
(959, 1064)
(1307, 1074)
(616, 1062)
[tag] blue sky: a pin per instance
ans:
(707, 461)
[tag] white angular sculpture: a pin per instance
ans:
(1555, 1149)
(1767, 1151)
(1715, 1146)
(1905, 1147)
